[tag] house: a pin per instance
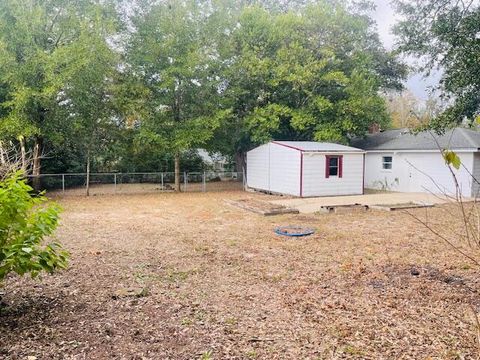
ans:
(305, 169)
(215, 161)
(398, 160)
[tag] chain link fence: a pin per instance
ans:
(130, 183)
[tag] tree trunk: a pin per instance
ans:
(88, 174)
(177, 172)
(240, 162)
(37, 156)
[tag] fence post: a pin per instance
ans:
(63, 184)
(185, 181)
(115, 181)
(161, 177)
(204, 181)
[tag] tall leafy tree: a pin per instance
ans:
(309, 74)
(174, 53)
(86, 102)
(33, 35)
(445, 35)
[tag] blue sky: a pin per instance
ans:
(385, 17)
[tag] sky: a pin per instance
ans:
(385, 17)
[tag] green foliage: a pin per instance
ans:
(178, 75)
(25, 221)
(175, 56)
(86, 105)
(207, 355)
(32, 34)
(308, 74)
(451, 158)
(445, 34)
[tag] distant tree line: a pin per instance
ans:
(90, 85)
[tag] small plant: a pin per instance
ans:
(187, 321)
(207, 355)
(25, 221)
(383, 185)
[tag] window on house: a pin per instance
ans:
(333, 166)
(387, 162)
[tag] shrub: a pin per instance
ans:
(25, 220)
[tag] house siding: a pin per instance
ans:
(285, 170)
(258, 173)
(315, 183)
(476, 175)
(417, 172)
(275, 168)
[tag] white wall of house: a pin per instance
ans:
(476, 175)
(417, 172)
(315, 183)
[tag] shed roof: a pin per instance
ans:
(403, 139)
(313, 146)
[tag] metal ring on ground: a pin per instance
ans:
(294, 231)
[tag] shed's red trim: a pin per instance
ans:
(288, 146)
(340, 166)
(327, 166)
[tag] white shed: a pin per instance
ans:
(398, 160)
(305, 169)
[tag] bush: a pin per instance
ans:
(25, 220)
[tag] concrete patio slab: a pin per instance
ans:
(311, 205)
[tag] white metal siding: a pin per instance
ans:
(476, 175)
(284, 170)
(316, 184)
(417, 172)
(258, 167)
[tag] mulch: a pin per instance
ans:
(167, 276)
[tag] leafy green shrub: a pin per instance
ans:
(25, 220)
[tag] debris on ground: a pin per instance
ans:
(343, 208)
(262, 207)
(400, 206)
(130, 292)
(221, 283)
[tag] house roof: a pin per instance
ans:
(312, 146)
(403, 139)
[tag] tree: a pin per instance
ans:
(403, 108)
(309, 74)
(33, 35)
(407, 111)
(86, 102)
(174, 54)
(445, 35)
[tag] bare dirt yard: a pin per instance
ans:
(167, 276)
